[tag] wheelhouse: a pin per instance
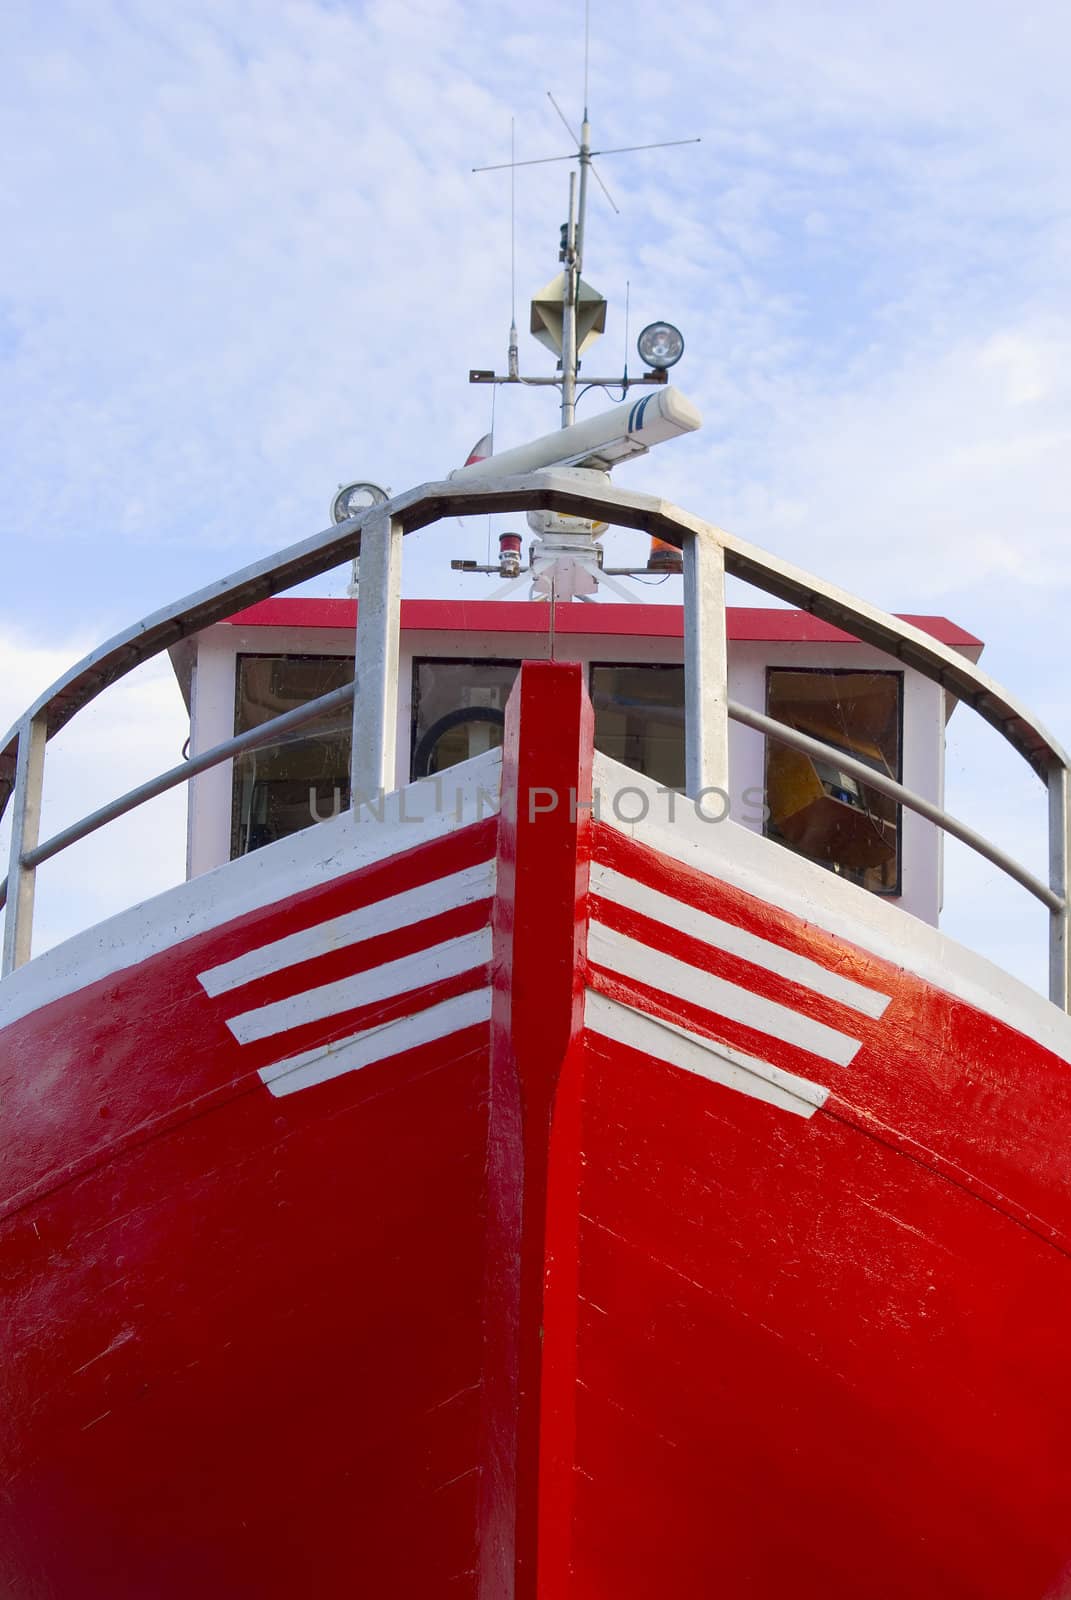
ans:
(457, 664)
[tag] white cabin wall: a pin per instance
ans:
(211, 721)
(212, 716)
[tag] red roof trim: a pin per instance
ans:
(758, 623)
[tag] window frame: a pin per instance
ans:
(416, 662)
(241, 656)
(897, 889)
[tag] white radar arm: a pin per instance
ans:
(629, 429)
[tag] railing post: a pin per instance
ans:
(25, 827)
(706, 689)
(379, 616)
(1059, 876)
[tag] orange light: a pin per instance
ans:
(664, 557)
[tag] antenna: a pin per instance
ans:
(568, 313)
(571, 293)
(573, 136)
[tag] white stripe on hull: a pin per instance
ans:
(628, 958)
(720, 1063)
(377, 1044)
(726, 936)
(382, 916)
(447, 960)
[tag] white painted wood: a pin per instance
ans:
(366, 922)
(628, 958)
(377, 1044)
(720, 1063)
(212, 721)
(711, 930)
(408, 974)
(411, 816)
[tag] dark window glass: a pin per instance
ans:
(458, 710)
(818, 810)
(304, 778)
(639, 719)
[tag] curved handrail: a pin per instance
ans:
(558, 491)
(819, 749)
(111, 661)
(264, 736)
(562, 491)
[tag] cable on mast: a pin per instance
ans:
(628, 296)
(512, 353)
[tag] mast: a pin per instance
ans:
(569, 299)
(574, 265)
(567, 314)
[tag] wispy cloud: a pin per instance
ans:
(245, 258)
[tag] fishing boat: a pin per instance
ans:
(547, 1148)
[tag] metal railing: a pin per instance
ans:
(709, 554)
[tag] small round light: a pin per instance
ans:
(353, 498)
(661, 345)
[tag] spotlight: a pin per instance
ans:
(353, 498)
(660, 345)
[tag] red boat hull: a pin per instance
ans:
(601, 1219)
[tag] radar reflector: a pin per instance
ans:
(548, 314)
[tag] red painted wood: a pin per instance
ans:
(757, 623)
(535, 1099)
(241, 1335)
(820, 1357)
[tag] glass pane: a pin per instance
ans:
(303, 779)
(818, 810)
(639, 719)
(458, 710)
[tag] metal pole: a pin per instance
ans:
(1060, 882)
(379, 620)
(817, 749)
(25, 825)
(569, 313)
(706, 672)
(264, 736)
(582, 207)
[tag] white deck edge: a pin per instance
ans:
(412, 816)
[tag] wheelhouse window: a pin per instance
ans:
(815, 808)
(459, 710)
(639, 718)
(305, 777)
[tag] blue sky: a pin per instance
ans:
(246, 258)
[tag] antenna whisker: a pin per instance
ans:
(605, 190)
(662, 144)
(539, 161)
(575, 138)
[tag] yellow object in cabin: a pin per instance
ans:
(819, 823)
